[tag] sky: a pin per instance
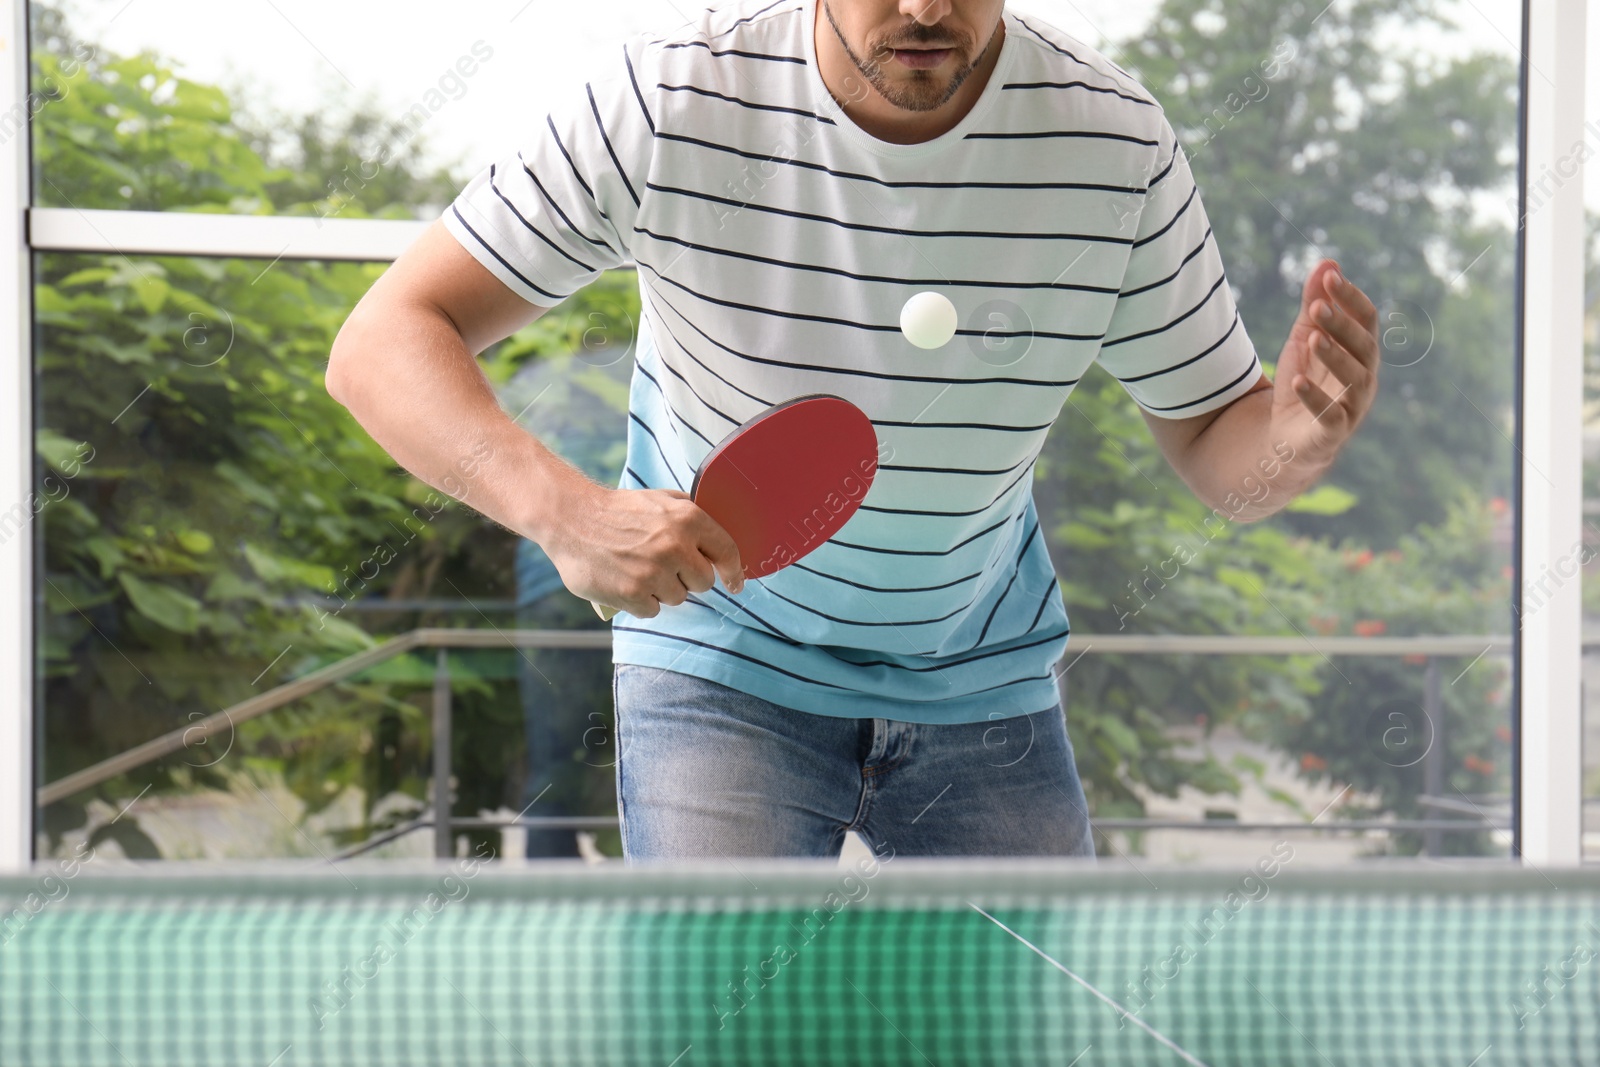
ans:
(302, 55)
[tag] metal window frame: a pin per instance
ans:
(1547, 790)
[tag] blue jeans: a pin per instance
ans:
(704, 771)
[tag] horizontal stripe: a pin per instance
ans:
(735, 52)
(924, 283)
(531, 228)
(886, 183)
(1249, 372)
(1001, 235)
(1043, 134)
(1165, 327)
(556, 207)
(1184, 262)
(851, 371)
(868, 327)
(1078, 85)
(490, 249)
(752, 105)
(1234, 325)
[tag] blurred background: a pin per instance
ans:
(220, 528)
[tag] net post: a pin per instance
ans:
(443, 838)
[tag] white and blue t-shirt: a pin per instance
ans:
(776, 243)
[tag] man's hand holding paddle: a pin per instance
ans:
(774, 490)
(638, 549)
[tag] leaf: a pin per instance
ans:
(106, 552)
(151, 292)
(1324, 500)
(197, 542)
(1242, 582)
(62, 453)
(162, 604)
(135, 843)
(124, 354)
(87, 276)
(344, 635)
(204, 103)
(229, 586)
(272, 568)
(1124, 739)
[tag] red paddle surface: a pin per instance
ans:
(784, 482)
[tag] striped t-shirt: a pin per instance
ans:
(776, 243)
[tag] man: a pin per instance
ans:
(786, 175)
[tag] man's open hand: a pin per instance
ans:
(1328, 371)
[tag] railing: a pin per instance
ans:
(444, 824)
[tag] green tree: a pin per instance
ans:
(1310, 137)
(1291, 122)
(221, 510)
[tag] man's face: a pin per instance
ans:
(915, 53)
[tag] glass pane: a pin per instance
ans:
(231, 498)
(214, 526)
(1290, 121)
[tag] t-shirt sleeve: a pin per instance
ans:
(1176, 341)
(558, 209)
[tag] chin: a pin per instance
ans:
(923, 91)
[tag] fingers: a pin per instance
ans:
(1344, 366)
(657, 553)
(1352, 298)
(1349, 321)
(1316, 401)
(717, 545)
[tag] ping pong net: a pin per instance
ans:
(978, 962)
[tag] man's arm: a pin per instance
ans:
(1258, 453)
(404, 366)
(1222, 452)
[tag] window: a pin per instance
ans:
(206, 513)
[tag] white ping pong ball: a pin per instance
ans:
(928, 320)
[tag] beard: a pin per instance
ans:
(924, 91)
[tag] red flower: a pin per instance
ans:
(1361, 559)
(1325, 624)
(1414, 657)
(1498, 505)
(1503, 733)
(1505, 572)
(1310, 761)
(1369, 627)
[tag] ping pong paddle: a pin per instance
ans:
(787, 479)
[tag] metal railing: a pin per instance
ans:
(444, 824)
